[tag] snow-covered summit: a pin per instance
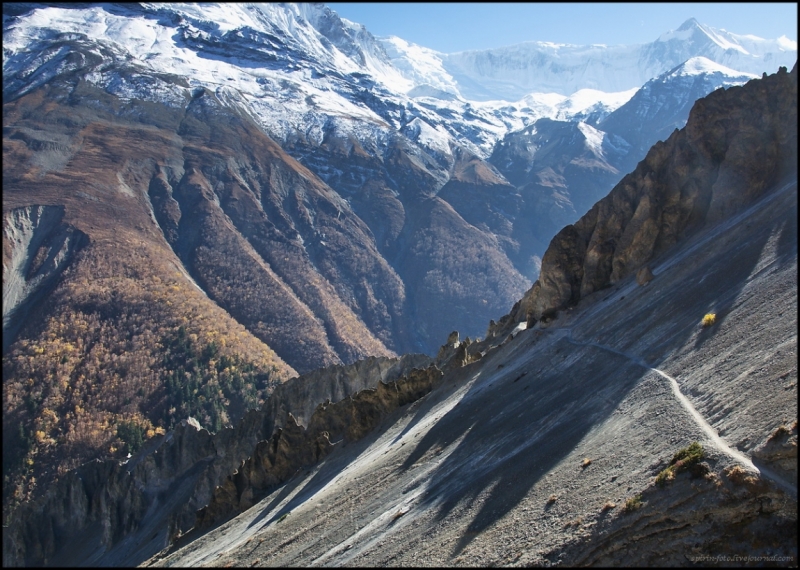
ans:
(300, 67)
(701, 65)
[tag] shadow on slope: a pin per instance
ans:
(530, 407)
(538, 412)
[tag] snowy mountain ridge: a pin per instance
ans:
(384, 131)
(297, 66)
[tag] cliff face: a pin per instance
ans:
(737, 143)
(112, 513)
(275, 460)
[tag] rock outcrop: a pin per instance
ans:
(454, 354)
(335, 383)
(644, 275)
(294, 447)
(779, 452)
(736, 144)
(746, 514)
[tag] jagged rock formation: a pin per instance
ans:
(737, 143)
(118, 513)
(454, 354)
(335, 383)
(294, 447)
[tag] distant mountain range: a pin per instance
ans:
(513, 72)
(203, 200)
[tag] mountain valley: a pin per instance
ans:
(236, 238)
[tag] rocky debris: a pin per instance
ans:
(673, 526)
(294, 447)
(644, 275)
(779, 451)
(112, 513)
(37, 247)
(736, 144)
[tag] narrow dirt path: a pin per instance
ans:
(713, 437)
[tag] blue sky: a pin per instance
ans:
(463, 26)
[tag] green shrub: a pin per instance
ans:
(687, 458)
(633, 503)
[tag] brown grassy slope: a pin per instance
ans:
(99, 352)
(106, 347)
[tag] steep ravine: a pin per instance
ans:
(38, 246)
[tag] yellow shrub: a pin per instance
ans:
(709, 319)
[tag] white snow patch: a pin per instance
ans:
(594, 138)
(786, 44)
(435, 138)
(700, 65)
(586, 99)
(418, 65)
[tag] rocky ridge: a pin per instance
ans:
(736, 144)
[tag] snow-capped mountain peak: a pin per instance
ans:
(693, 31)
(328, 66)
(700, 65)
